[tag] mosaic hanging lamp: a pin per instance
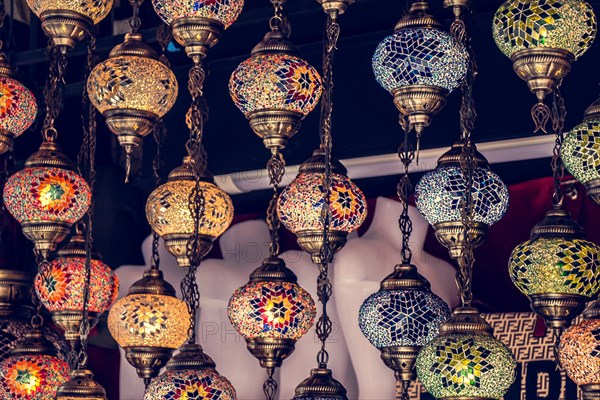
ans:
(47, 197)
(149, 323)
(401, 317)
(271, 312)
(580, 151)
(60, 286)
(169, 215)
(557, 269)
(32, 371)
(465, 361)
(543, 38)
(132, 89)
(300, 206)
(18, 107)
(439, 193)
(198, 25)
(69, 21)
(274, 88)
(419, 64)
(579, 352)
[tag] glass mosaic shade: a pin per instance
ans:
(60, 285)
(275, 82)
(299, 205)
(439, 193)
(37, 194)
(556, 265)
(133, 83)
(224, 11)
(204, 384)
(18, 107)
(271, 309)
(149, 320)
(96, 10)
(466, 365)
(524, 24)
(390, 318)
(419, 56)
(31, 377)
(579, 352)
(168, 209)
(580, 151)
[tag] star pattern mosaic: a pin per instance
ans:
(300, 204)
(580, 151)
(224, 11)
(466, 365)
(18, 107)
(96, 10)
(419, 56)
(562, 24)
(579, 352)
(190, 385)
(47, 194)
(555, 265)
(130, 82)
(439, 193)
(402, 317)
(60, 285)
(275, 81)
(32, 377)
(271, 309)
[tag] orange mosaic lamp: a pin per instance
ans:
(300, 204)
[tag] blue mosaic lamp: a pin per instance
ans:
(420, 64)
(439, 193)
(401, 317)
(580, 151)
(465, 361)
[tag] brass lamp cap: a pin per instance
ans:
(321, 383)
(593, 311)
(593, 111)
(453, 156)
(419, 16)
(34, 342)
(269, 351)
(316, 164)
(133, 45)
(335, 6)
(49, 155)
(557, 223)
(275, 42)
(186, 172)
(6, 70)
(190, 356)
(405, 277)
(273, 269)
(468, 321)
(76, 246)
(152, 283)
(81, 386)
(15, 297)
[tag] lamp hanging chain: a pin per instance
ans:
(163, 37)
(53, 91)
(2, 19)
(468, 116)
(134, 21)
(276, 171)
(279, 21)
(559, 113)
(324, 288)
(406, 153)
(8, 165)
(189, 285)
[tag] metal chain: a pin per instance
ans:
(134, 21)
(36, 319)
(468, 115)
(163, 37)
(559, 113)
(276, 170)
(189, 285)
(406, 153)
(279, 21)
(8, 165)
(270, 386)
(404, 386)
(53, 91)
(2, 19)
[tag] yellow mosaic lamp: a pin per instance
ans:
(557, 269)
(168, 212)
(69, 21)
(300, 205)
(543, 38)
(132, 90)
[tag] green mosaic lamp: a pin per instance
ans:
(542, 38)
(557, 269)
(465, 361)
(580, 151)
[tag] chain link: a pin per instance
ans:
(163, 37)
(279, 21)
(559, 114)
(276, 170)
(2, 19)
(270, 385)
(406, 153)
(53, 91)
(8, 166)
(134, 21)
